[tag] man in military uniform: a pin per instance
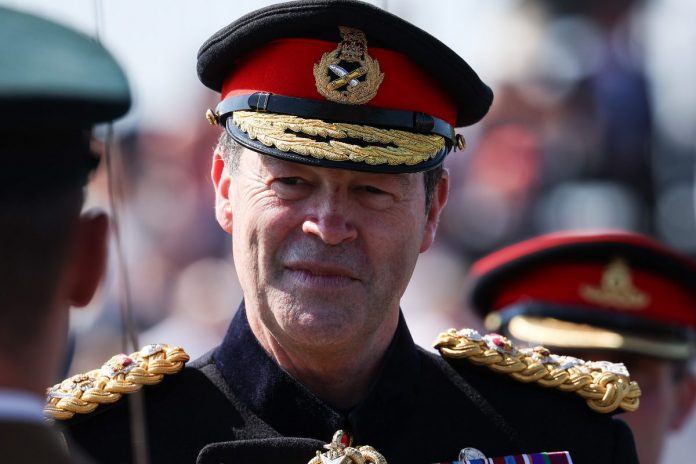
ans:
(603, 295)
(329, 178)
(54, 85)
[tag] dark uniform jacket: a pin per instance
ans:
(24, 442)
(236, 405)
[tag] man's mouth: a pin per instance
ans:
(322, 274)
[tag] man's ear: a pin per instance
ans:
(88, 255)
(685, 392)
(439, 201)
(221, 182)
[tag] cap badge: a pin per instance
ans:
(616, 289)
(348, 74)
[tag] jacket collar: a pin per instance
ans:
(292, 410)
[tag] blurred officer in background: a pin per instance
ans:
(55, 84)
(603, 295)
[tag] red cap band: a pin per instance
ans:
(565, 283)
(286, 67)
(610, 272)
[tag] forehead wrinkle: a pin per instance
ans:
(405, 179)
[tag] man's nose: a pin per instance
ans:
(331, 221)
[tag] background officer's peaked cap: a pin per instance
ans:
(52, 75)
(611, 290)
(340, 83)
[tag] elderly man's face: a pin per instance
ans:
(324, 255)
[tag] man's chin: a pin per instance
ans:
(321, 324)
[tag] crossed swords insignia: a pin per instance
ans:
(346, 77)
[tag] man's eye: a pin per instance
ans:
(290, 188)
(290, 180)
(370, 189)
(375, 198)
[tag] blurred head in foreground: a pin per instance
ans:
(55, 84)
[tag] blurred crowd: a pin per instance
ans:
(576, 139)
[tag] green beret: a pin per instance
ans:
(55, 84)
(52, 75)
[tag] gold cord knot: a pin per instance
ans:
(340, 451)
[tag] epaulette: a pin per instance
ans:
(605, 386)
(120, 375)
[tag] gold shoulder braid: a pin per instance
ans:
(121, 374)
(605, 386)
(341, 451)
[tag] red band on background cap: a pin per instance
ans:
(566, 240)
(559, 284)
(286, 67)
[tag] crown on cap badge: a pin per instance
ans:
(616, 288)
(348, 74)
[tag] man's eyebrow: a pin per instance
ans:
(270, 162)
(403, 178)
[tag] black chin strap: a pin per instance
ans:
(412, 121)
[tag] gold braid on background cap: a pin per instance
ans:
(285, 132)
(605, 386)
(120, 375)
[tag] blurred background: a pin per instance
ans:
(593, 125)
